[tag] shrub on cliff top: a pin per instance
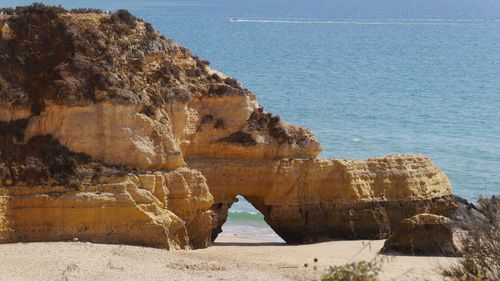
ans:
(124, 16)
(35, 8)
(40, 8)
(86, 11)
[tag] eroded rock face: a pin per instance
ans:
(99, 112)
(316, 200)
(423, 235)
(467, 216)
(190, 199)
(125, 210)
(106, 130)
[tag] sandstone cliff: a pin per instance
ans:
(99, 112)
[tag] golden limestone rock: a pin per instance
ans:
(106, 130)
(315, 200)
(110, 132)
(126, 210)
(423, 235)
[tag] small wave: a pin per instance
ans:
(374, 21)
(239, 215)
(249, 212)
(356, 140)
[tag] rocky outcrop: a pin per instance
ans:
(236, 127)
(473, 217)
(105, 130)
(315, 200)
(423, 235)
(99, 112)
(126, 210)
(467, 216)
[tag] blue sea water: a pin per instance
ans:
(369, 77)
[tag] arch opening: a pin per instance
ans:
(245, 221)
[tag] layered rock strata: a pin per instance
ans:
(134, 209)
(104, 123)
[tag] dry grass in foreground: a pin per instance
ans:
(355, 271)
(352, 270)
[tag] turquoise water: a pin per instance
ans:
(369, 77)
(245, 220)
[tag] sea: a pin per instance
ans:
(369, 77)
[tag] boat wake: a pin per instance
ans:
(373, 21)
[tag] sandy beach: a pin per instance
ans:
(231, 258)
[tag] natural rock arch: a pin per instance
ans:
(306, 201)
(224, 209)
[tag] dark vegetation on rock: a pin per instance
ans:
(41, 43)
(44, 161)
(53, 57)
(58, 56)
(239, 138)
(263, 121)
(219, 124)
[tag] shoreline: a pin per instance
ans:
(232, 257)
